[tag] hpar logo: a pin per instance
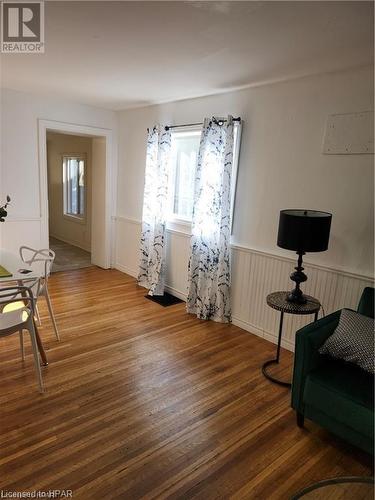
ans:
(22, 27)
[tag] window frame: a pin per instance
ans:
(173, 219)
(184, 225)
(236, 161)
(80, 219)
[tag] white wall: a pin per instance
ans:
(75, 232)
(19, 169)
(281, 163)
(281, 166)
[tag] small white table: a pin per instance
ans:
(14, 265)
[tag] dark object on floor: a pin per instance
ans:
(339, 487)
(164, 300)
(335, 394)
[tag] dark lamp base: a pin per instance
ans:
(297, 297)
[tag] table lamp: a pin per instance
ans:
(303, 231)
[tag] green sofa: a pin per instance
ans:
(337, 395)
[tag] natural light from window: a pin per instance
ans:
(185, 147)
(74, 186)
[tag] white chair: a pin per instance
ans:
(46, 256)
(19, 319)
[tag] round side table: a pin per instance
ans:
(278, 301)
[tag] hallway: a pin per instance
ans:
(68, 257)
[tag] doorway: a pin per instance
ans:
(76, 193)
(69, 176)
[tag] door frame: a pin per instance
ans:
(88, 131)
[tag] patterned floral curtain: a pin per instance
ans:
(155, 206)
(209, 265)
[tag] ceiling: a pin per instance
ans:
(126, 54)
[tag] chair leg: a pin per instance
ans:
(51, 313)
(22, 345)
(300, 419)
(38, 320)
(36, 355)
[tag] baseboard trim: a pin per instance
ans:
(270, 337)
(175, 292)
(126, 270)
(70, 242)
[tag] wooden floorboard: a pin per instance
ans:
(148, 402)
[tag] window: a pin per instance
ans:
(185, 147)
(74, 186)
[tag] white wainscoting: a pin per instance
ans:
(19, 231)
(254, 275)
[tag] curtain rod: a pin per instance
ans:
(219, 120)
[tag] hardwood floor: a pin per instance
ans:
(148, 402)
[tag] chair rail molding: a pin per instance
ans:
(244, 248)
(23, 218)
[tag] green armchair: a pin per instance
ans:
(337, 395)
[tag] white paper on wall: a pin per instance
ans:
(349, 134)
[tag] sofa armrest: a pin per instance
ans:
(366, 304)
(306, 357)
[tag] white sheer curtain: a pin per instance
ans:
(155, 207)
(209, 265)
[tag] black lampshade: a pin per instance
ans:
(304, 230)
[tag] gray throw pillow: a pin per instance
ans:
(353, 340)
